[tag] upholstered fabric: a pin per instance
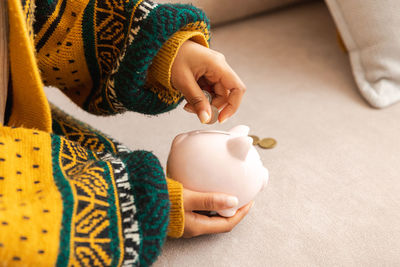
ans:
(222, 11)
(370, 31)
(333, 194)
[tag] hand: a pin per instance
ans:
(197, 67)
(197, 224)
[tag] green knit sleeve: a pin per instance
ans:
(110, 194)
(99, 52)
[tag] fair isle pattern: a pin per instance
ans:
(151, 199)
(159, 24)
(106, 59)
(110, 26)
(86, 138)
(76, 131)
(141, 191)
(142, 11)
(123, 87)
(110, 35)
(94, 223)
(128, 210)
(144, 216)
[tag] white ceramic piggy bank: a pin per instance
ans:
(217, 161)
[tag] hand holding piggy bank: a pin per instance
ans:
(217, 161)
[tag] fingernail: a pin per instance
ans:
(232, 202)
(252, 204)
(204, 117)
(224, 120)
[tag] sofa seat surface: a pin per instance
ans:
(333, 196)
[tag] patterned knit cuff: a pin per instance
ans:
(177, 213)
(160, 70)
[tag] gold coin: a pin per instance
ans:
(267, 143)
(208, 96)
(256, 139)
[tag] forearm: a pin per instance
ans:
(104, 66)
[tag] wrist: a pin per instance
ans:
(160, 70)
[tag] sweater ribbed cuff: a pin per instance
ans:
(177, 213)
(160, 69)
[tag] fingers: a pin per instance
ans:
(195, 68)
(226, 99)
(189, 108)
(208, 201)
(232, 83)
(196, 98)
(196, 224)
(234, 100)
(204, 84)
(221, 96)
(227, 87)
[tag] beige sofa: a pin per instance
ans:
(333, 198)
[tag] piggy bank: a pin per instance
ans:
(218, 161)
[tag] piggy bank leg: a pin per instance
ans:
(227, 212)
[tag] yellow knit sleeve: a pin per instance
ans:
(160, 70)
(31, 205)
(177, 213)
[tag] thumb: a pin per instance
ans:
(196, 98)
(208, 201)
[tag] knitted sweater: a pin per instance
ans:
(69, 195)
(3, 59)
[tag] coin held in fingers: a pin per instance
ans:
(214, 115)
(208, 95)
(214, 109)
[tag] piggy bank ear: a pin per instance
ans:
(240, 130)
(239, 147)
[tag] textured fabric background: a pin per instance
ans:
(333, 195)
(370, 30)
(220, 11)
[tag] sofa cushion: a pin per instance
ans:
(370, 31)
(220, 11)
